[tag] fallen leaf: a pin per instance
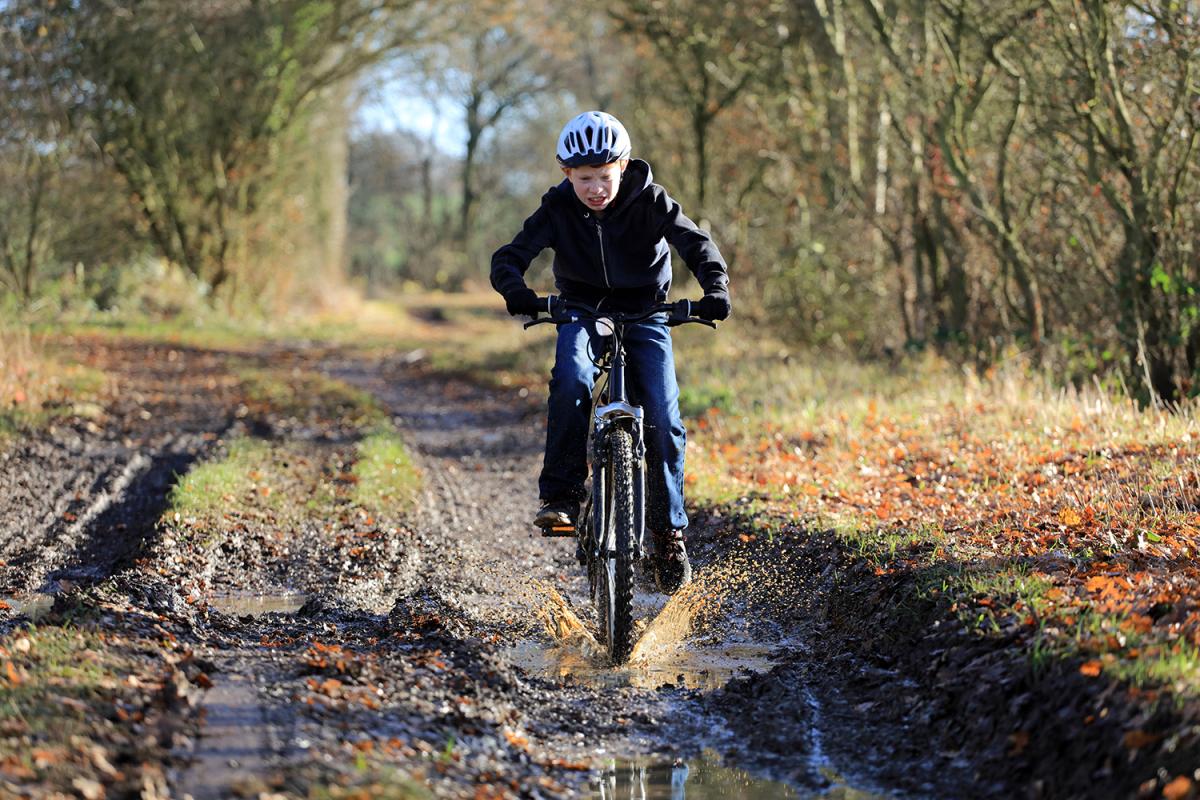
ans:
(91, 790)
(1069, 517)
(1135, 740)
(1090, 668)
(10, 672)
(1178, 788)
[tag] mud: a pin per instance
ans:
(447, 650)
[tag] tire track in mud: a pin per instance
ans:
(246, 738)
(90, 510)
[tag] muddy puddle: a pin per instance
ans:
(705, 668)
(707, 778)
(702, 778)
(690, 640)
(31, 606)
(256, 604)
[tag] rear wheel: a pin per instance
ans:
(614, 587)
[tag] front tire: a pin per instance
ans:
(616, 563)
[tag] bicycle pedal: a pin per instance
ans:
(561, 531)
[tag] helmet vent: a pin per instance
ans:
(594, 137)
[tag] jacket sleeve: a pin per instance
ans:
(511, 261)
(694, 245)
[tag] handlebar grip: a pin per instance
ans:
(552, 303)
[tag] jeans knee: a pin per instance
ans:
(568, 386)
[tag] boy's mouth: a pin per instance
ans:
(597, 201)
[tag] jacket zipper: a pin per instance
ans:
(603, 264)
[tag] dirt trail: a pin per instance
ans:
(412, 655)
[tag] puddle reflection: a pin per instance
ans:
(696, 779)
(256, 605)
(33, 607)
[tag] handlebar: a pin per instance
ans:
(562, 311)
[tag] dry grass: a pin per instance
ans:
(38, 384)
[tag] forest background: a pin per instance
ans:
(985, 180)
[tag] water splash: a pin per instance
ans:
(691, 641)
(670, 628)
(559, 621)
(698, 605)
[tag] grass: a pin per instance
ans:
(304, 394)
(54, 684)
(216, 485)
(38, 385)
(385, 476)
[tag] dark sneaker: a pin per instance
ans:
(557, 514)
(672, 570)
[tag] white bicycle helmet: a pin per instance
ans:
(593, 137)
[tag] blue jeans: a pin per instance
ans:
(650, 382)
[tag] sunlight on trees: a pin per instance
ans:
(882, 176)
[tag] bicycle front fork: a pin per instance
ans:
(601, 479)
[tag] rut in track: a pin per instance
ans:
(479, 453)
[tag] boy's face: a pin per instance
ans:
(597, 186)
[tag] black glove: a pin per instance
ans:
(712, 307)
(523, 301)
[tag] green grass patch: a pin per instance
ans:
(1013, 582)
(1177, 667)
(216, 485)
(385, 476)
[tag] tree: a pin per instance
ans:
(499, 58)
(712, 52)
(188, 102)
(1126, 121)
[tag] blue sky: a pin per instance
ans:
(386, 106)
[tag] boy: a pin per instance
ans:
(609, 225)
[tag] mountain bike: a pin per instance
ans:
(611, 527)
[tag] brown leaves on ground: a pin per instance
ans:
(96, 711)
(1178, 788)
(1081, 525)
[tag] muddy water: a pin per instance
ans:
(706, 778)
(702, 778)
(696, 668)
(256, 604)
(689, 640)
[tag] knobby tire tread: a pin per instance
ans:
(621, 455)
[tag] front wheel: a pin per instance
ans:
(614, 595)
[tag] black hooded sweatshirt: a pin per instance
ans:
(620, 261)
